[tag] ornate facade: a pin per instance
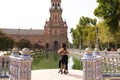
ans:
(54, 33)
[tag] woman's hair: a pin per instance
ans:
(64, 46)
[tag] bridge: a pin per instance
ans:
(52, 74)
(73, 75)
(107, 65)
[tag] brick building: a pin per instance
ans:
(54, 33)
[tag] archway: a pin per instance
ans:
(55, 45)
(47, 46)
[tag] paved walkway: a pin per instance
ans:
(52, 74)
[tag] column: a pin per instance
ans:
(91, 66)
(98, 64)
(88, 65)
(24, 71)
(14, 64)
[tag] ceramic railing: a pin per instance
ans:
(110, 63)
(4, 66)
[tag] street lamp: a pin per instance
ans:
(96, 45)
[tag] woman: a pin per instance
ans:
(63, 63)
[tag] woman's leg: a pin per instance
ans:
(66, 64)
(61, 65)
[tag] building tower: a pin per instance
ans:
(55, 29)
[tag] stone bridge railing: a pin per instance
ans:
(4, 66)
(16, 67)
(75, 53)
(98, 64)
(20, 68)
(111, 65)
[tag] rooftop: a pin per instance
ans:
(23, 31)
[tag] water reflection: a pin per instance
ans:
(70, 62)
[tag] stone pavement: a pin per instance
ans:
(52, 74)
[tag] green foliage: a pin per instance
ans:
(5, 42)
(24, 43)
(37, 45)
(106, 38)
(104, 33)
(84, 31)
(86, 21)
(109, 10)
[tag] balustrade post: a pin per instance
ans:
(113, 65)
(24, 71)
(0, 65)
(20, 67)
(91, 66)
(117, 66)
(88, 65)
(14, 64)
(5, 65)
(96, 52)
(98, 66)
(109, 69)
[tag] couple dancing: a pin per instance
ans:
(63, 63)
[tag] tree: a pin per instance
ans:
(75, 34)
(105, 36)
(5, 41)
(24, 43)
(84, 31)
(109, 10)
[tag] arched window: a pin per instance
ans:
(55, 45)
(58, 5)
(47, 45)
(53, 5)
(55, 17)
(55, 32)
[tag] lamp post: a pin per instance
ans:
(96, 45)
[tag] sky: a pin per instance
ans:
(27, 14)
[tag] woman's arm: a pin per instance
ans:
(60, 50)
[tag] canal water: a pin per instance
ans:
(70, 62)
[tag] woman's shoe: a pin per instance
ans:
(65, 72)
(60, 71)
